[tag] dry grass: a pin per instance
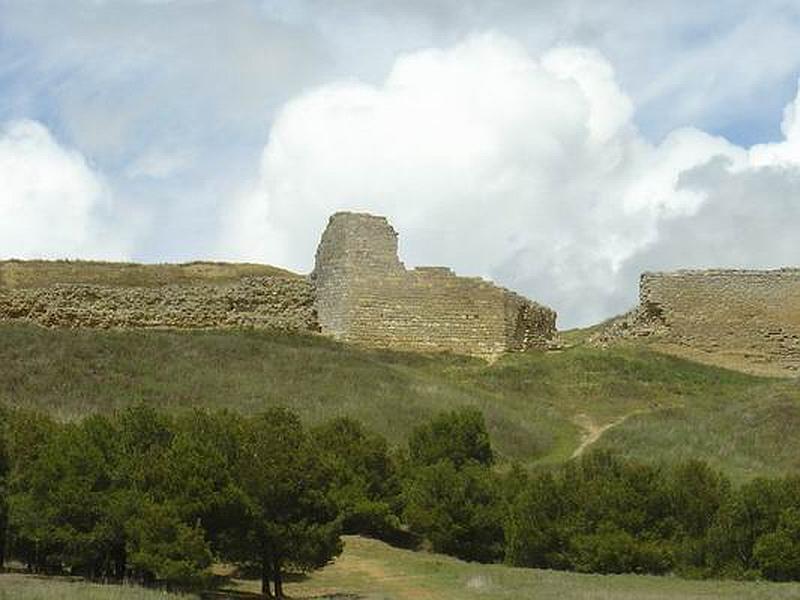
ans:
(737, 361)
(40, 273)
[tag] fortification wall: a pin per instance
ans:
(359, 292)
(751, 314)
(364, 294)
(251, 302)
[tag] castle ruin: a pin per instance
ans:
(365, 295)
(359, 292)
(750, 316)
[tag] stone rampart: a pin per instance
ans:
(359, 292)
(251, 302)
(364, 294)
(754, 315)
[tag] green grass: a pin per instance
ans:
(374, 571)
(744, 424)
(29, 587)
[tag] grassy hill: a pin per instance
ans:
(540, 407)
(371, 570)
(31, 587)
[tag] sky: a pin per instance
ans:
(557, 147)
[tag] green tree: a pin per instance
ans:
(534, 525)
(612, 550)
(61, 505)
(200, 482)
(778, 553)
(179, 491)
(144, 437)
(161, 547)
(290, 520)
(459, 436)
(695, 495)
(458, 510)
(366, 486)
(747, 514)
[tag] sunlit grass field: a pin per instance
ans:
(371, 570)
(539, 406)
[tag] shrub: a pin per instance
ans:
(459, 436)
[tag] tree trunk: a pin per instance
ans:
(265, 569)
(120, 562)
(278, 578)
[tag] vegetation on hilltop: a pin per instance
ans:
(46, 273)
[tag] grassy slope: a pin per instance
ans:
(371, 570)
(29, 587)
(745, 424)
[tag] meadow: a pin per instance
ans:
(372, 570)
(30, 587)
(540, 407)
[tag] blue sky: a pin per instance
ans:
(558, 147)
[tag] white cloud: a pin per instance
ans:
(51, 201)
(530, 171)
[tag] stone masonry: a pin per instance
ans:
(252, 302)
(365, 295)
(754, 315)
(359, 292)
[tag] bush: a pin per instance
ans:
(365, 484)
(778, 553)
(615, 551)
(459, 436)
(163, 549)
(458, 510)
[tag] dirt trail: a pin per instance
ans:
(593, 432)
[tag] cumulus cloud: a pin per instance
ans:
(528, 170)
(51, 201)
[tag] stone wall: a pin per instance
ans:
(252, 302)
(359, 292)
(364, 294)
(754, 315)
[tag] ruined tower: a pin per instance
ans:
(364, 294)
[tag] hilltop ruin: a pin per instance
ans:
(359, 292)
(743, 317)
(365, 295)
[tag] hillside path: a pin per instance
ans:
(593, 432)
